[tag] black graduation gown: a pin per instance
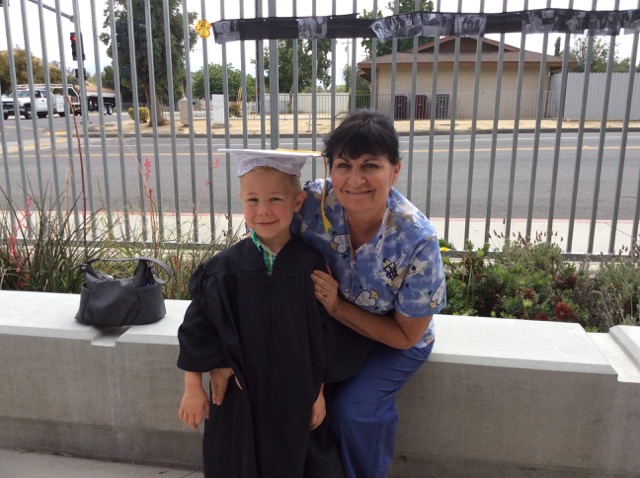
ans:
(279, 341)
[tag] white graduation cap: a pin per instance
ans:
(285, 160)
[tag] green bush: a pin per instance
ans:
(143, 113)
(41, 247)
(532, 279)
(234, 110)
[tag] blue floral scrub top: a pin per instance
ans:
(399, 269)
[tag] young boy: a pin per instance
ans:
(254, 315)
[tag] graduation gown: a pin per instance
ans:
(280, 344)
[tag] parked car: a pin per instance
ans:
(24, 106)
(7, 107)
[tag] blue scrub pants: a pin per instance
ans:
(365, 417)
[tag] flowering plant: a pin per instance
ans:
(532, 279)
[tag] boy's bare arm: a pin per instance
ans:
(195, 402)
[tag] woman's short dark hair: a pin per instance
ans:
(363, 132)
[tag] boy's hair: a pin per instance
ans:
(294, 181)
(363, 132)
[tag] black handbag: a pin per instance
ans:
(109, 302)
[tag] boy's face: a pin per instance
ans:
(269, 200)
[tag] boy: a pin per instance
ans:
(254, 315)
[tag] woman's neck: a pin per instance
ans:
(362, 229)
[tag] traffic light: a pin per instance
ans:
(84, 70)
(74, 51)
(142, 38)
(74, 46)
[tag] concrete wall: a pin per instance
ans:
(619, 95)
(498, 398)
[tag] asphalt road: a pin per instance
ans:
(459, 175)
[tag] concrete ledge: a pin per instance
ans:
(41, 314)
(550, 346)
(498, 394)
(629, 340)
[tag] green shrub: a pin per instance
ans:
(40, 247)
(143, 113)
(235, 110)
(532, 279)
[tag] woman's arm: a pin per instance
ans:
(397, 330)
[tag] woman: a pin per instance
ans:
(385, 281)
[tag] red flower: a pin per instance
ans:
(147, 169)
(563, 311)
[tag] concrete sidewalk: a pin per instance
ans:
(305, 127)
(25, 464)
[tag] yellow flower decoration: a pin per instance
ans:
(203, 27)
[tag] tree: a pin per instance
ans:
(108, 81)
(22, 77)
(107, 77)
(305, 65)
(178, 46)
(556, 47)
(404, 6)
(234, 78)
(599, 56)
(362, 85)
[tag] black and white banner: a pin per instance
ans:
(429, 24)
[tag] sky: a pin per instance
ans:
(26, 12)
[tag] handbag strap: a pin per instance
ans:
(164, 266)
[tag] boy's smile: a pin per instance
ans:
(269, 200)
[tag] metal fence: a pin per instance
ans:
(487, 148)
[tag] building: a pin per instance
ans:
(444, 58)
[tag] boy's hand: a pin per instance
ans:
(318, 411)
(194, 407)
(219, 378)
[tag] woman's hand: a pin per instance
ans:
(219, 379)
(319, 410)
(326, 290)
(393, 329)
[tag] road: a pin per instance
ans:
(189, 174)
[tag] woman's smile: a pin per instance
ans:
(362, 184)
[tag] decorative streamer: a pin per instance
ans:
(406, 25)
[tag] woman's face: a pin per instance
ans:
(362, 185)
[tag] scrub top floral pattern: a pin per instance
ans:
(399, 269)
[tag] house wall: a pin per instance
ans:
(465, 89)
